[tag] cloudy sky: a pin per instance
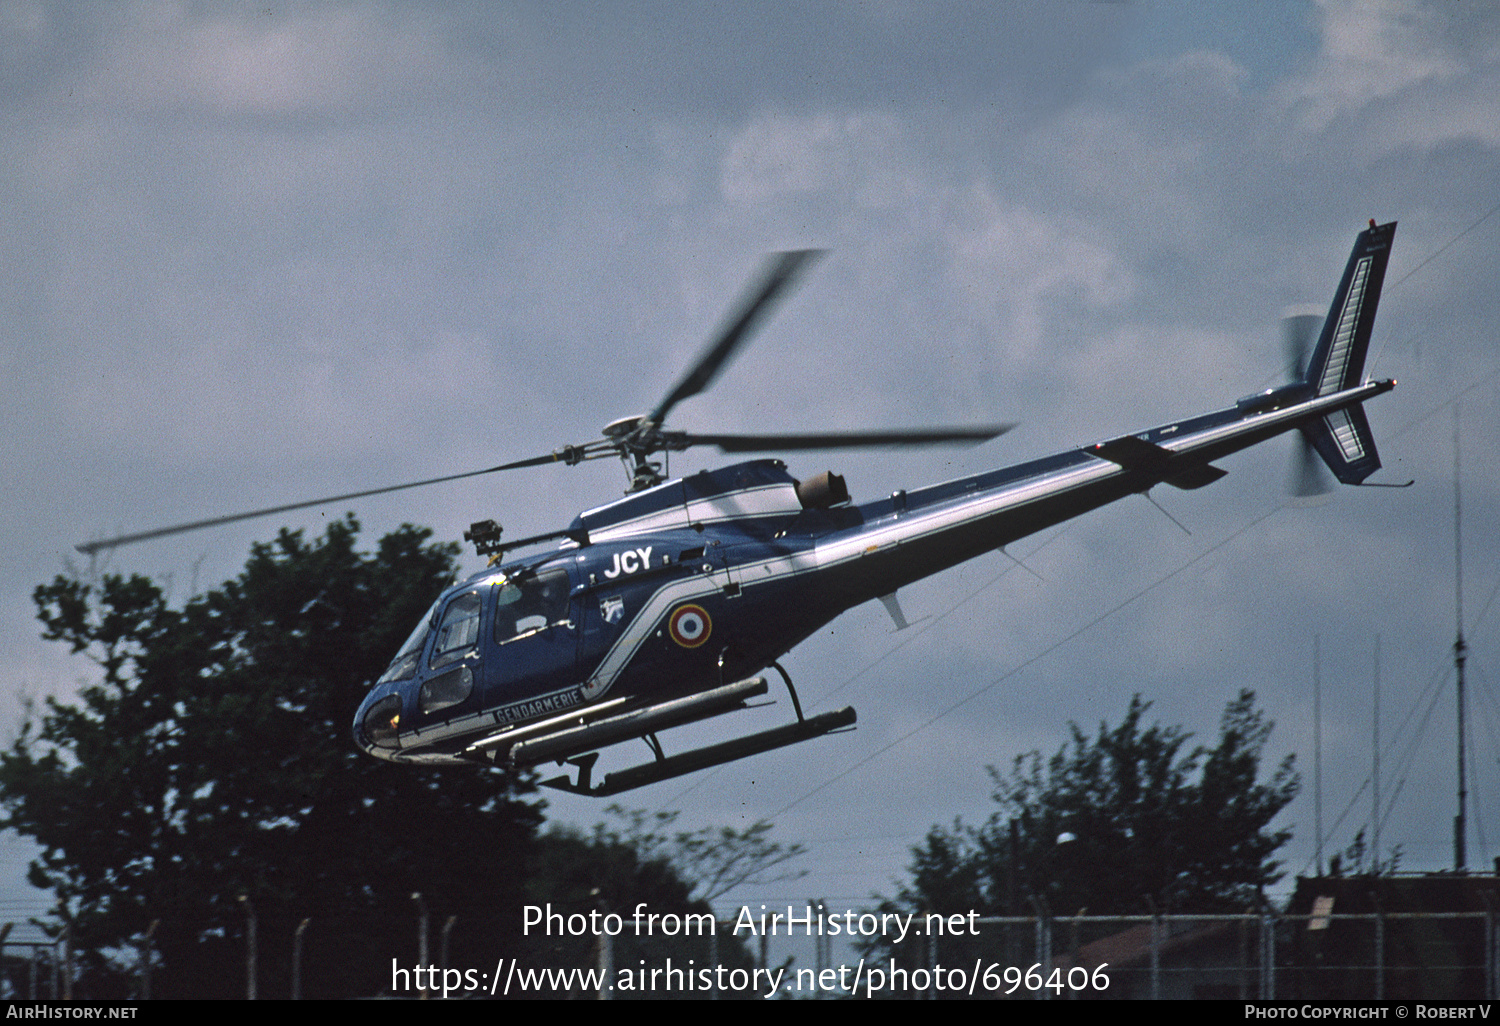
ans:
(251, 254)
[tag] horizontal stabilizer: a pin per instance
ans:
(1344, 440)
(1197, 477)
(1134, 453)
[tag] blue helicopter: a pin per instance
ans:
(669, 606)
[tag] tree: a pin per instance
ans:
(715, 859)
(1128, 822)
(211, 760)
(622, 871)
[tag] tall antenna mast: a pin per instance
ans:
(1460, 649)
(1375, 820)
(1318, 753)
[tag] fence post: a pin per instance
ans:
(1155, 949)
(297, 959)
(1243, 923)
(1271, 953)
(250, 947)
(1489, 949)
(713, 957)
(606, 963)
(443, 945)
(422, 965)
(67, 962)
(1155, 956)
(1267, 957)
(1488, 897)
(1043, 938)
(144, 966)
(930, 945)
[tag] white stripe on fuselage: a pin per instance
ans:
(914, 525)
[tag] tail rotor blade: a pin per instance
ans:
(1299, 331)
(1309, 480)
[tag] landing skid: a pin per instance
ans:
(664, 767)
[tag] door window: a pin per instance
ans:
(458, 632)
(527, 603)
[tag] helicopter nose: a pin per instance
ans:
(377, 725)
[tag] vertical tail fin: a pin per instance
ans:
(1338, 360)
(1343, 437)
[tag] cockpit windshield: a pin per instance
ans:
(404, 666)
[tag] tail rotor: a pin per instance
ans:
(1308, 481)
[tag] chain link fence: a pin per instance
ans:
(1396, 956)
(1428, 956)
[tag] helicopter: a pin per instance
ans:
(671, 605)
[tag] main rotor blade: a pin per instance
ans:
(781, 271)
(89, 548)
(844, 439)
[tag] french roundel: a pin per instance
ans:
(690, 626)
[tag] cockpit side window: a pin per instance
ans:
(458, 632)
(529, 602)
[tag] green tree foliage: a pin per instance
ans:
(212, 759)
(625, 872)
(635, 863)
(715, 859)
(1130, 821)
